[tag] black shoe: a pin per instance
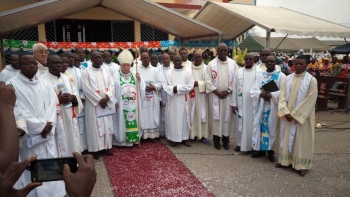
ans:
(226, 141)
(217, 147)
(238, 148)
(216, 140)
(271, 155)
(258, 154)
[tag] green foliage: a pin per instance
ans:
(238, 56)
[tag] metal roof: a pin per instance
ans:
(144, 11)
(235, 19)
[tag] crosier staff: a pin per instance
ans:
(138, 96)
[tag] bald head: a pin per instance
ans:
(92, 51)
(28, 66)
(145, 59)
(166, 60)
(177, 61)
(249, 60)
(172, 53)
(96, 59)
(264, 53)
(197, 58)
(143, 49)
(14, 61)
(222, 51)
(154, 60)
(54, 63)
(107, 57)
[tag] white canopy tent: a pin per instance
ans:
(144, 11)
(235, 19)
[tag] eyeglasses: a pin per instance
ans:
(30, 63)
(43, 51)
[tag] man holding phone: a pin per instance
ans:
(40, 115)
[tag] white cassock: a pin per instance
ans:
(76, 73)
(67, 121)
(97, 84)
(8, 73)
(200, 125)
(133, 68)
(150, 103)
(113, 67)
(37, 111)
(178, 106)
(219, 76)
(298, 96)
(127, 98)
(25, 178)
(41, 69)
(163, 98)
(242, 97)
(186, 64)
(264, 138)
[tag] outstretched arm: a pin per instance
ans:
(9, 143)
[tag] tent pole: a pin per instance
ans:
(268, 36)
(219, 41)
(2, 58)
(281, 42)
(346, 41)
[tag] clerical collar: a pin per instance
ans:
(13, 67)
(26, 78)
(149, 66)
(301, 74)
(179, 68)
(273, 72)
(197, 67)
(221, 60)
(54, 75)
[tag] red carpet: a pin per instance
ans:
(151, 170)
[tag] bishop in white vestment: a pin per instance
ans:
(244, 106)
(10, 70)
(199, 108)
(219, 78)
(40, 115)
(179, 83)
(296, 106)
(126, 121)
(162, 70)
(69, 102)
(98, 88)
(150, 104)
(264, 139)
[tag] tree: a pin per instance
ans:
(253, 32)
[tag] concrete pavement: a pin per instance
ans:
(226, 173)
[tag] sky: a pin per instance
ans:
(337, 11)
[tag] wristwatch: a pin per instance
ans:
(229, 91)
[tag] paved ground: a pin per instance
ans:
(226, 173)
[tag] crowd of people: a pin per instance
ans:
(65, 104)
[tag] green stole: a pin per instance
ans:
(129, 102)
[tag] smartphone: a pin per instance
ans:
(44, 170)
